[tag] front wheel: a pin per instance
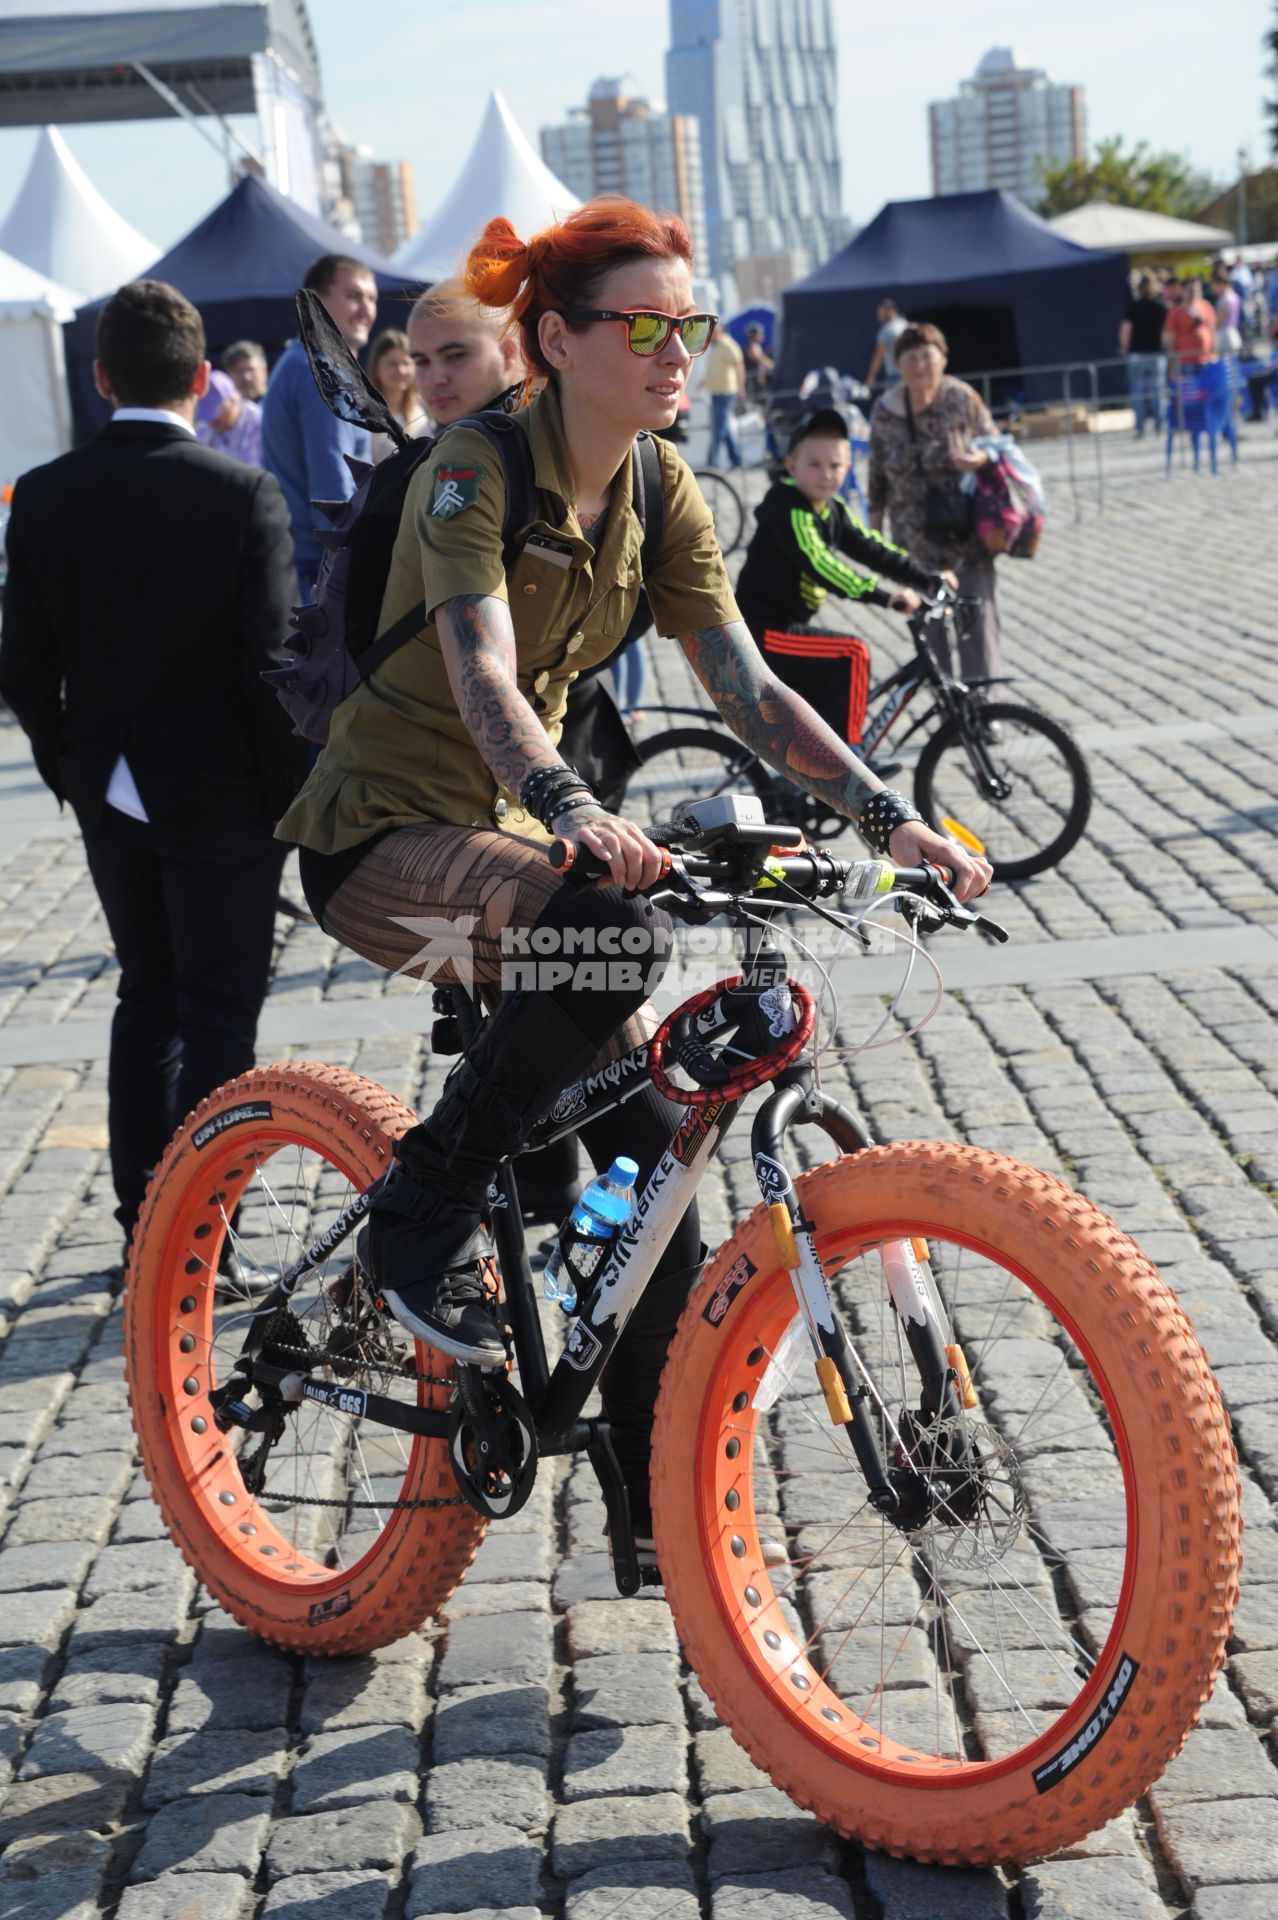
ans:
(1009, 781)
(727, 508)
(1010, 1660)
(695, 763)
(321, 1532)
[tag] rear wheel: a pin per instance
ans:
(1010, 1666)
(1020, 791)
(332, 1535)
(727, 509)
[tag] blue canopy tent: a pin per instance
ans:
(1005, 290)
(241, 267)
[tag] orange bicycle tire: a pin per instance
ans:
(223, 1530)
(1172, 1441)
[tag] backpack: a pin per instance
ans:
(336, 644)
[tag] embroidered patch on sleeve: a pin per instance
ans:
(455, 488)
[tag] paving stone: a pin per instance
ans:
(132, 1618)
(25, 1625)
(105, 1739)
(617, 1626)
(517, 1648)
(87, 1518)
(377, 1835)
(108, 1674)
(57, 1474)
(782, 1896)
(1232, 1841)
(761, 1830)
(473, 1867)
(1236, 1903)
(1256, 1677)
(218, 1696)
(491, 1720)
(355, 1765)
(188, 1896)
(214, 1833)
(622, 1690)
(1209, 1757)
(908, 1890)
(511, 1791)
(626, 1760)
(230, 1760)
(22, 1677)
(324, 1896)
(722, 1766)
(363, 1693)
(1081, 1889)
(135, 1566)
(606, 1833)
(510, 1556)
(61, 1802)
(655, 1890)
(54, 1876)
(494, 1597)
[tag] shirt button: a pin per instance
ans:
(571, 677)
(541, 683)
(578, 640)
(531, 587)
(499, 809)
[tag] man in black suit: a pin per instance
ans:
(148, 586)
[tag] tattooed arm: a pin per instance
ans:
(780, 726)
(774, 721)
(478, 644)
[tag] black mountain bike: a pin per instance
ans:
(964, 1399)
(1000, 776)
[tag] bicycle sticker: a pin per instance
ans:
(693, 1130)
(716, 1307)
(330, 1609)
(1053, 1771)
(351, 1400)
(570, 1102)
(584, 1347)
(233, 1117)
(778, 1004)
(772, 1177)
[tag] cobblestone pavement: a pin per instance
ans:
(541, 1750)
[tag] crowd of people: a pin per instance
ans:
(1178, 323)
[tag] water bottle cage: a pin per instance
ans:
(716, 1080)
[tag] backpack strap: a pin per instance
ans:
(649, 496)
(515, 453)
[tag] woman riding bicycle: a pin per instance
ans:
(425, 822)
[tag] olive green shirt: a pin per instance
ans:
(398, 750)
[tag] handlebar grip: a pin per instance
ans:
(580, 867)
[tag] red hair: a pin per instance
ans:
(564, 264)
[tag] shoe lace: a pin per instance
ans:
(459, 1287)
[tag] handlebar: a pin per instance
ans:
(737, 870)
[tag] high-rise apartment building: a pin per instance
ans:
(372, 200)
(760, 76)
(1008, 123)
(618, 143)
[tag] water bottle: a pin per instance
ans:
(584, 1238)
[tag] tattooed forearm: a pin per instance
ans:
(775, 721)
(478, 644)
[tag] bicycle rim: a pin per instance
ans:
(1043, 813)
(947, 1685)
(726, 508)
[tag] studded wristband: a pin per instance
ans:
(881, 815)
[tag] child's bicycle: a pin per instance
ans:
(1000, 776)
(976, 1416)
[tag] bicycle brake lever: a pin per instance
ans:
(991, 929)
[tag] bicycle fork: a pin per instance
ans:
(942, 1371)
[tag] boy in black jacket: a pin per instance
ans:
(804, 547)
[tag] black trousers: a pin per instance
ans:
(193, 935)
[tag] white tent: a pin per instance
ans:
(1135, 230)
(60, 225)
(502, 176)
(35, 422)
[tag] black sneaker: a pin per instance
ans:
(450, 1312)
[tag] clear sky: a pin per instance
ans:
(412, 81)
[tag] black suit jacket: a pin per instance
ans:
(148, 586)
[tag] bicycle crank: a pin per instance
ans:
(492, 1443)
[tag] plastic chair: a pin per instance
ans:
(1202, 401)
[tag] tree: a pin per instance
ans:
(1271, 68)
(1159, 182)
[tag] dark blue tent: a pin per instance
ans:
(1005, 290)
(241, 267)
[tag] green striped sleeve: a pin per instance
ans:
(825, 562)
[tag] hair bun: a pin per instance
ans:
(497, 265)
